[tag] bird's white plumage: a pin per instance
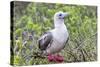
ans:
(59, 34)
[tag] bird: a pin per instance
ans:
(53, 41)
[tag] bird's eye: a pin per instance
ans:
(60, 14)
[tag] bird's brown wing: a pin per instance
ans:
(45, 40)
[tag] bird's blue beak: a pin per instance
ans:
(66, 14)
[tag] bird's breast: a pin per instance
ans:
(60, 34)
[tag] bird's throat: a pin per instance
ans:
(58, 23)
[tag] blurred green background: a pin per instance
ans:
(31, 20)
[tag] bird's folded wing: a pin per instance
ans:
(45, 40)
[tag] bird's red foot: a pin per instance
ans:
(59, 58)
(55, 58)
(50, 57)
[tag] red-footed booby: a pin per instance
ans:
(55, 40)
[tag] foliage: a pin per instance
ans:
(36, 18)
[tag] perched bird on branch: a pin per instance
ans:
(55, 40)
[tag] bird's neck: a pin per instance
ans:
(59, 23)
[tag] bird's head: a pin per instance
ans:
(60, 15)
